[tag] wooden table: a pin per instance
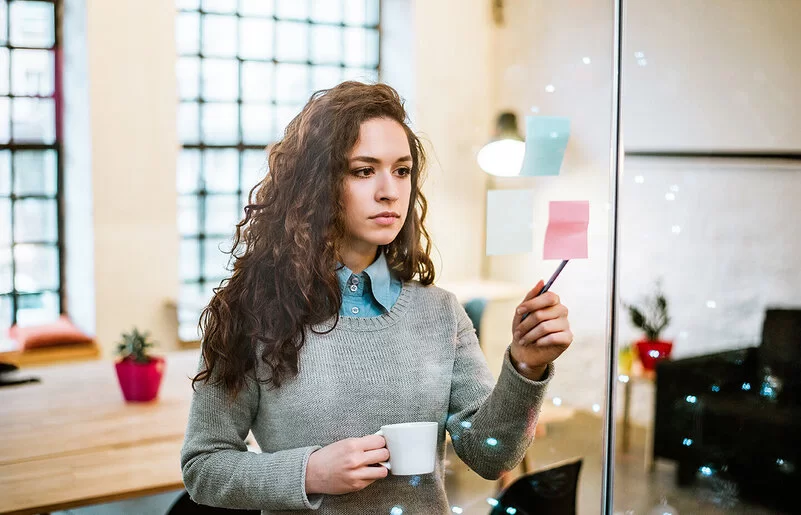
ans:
(71, 440)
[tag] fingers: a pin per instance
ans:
(376, 456)
(370, 442)
(368, 473)
(530, 295)
(543, 329)
(539, 316)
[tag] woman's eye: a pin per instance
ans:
(403, 172)
(362, 172)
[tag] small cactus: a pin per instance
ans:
(134, 346)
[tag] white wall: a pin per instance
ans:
(132, 112)
(735, 61)
(453, 75)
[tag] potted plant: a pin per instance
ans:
(138, 372)
(652, 318)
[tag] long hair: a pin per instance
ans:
(285, 248)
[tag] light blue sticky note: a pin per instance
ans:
(510, 221)
(546, 141)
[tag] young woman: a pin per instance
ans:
(330, 327)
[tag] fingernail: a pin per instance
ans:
(520, 311)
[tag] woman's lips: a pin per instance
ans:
(385, 220)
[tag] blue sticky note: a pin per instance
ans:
(546, 141)
(510, 221)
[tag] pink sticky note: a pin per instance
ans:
(566, 236)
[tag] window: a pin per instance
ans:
(30, 163)
(245, 69)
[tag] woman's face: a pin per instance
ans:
(378, 185)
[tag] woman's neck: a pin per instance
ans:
(357, 260)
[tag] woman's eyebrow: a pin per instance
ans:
(375, 160)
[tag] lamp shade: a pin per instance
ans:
(503, 156)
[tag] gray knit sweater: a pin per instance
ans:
(419, 362)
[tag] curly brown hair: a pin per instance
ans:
(285, 249)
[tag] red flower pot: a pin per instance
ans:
(140, 382)
(651, 351)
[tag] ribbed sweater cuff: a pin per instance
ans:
(285, 476)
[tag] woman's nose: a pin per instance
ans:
(387, 189)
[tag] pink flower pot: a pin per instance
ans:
(651, 351)
(140, 382)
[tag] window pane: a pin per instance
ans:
(189, 259)
(361, 12)
(32, 72)
(254, 168)
(188, 78)
(188, 174)
(188, 120)
(219, 6)
(188, 4)
(37, 309)
(256, 7)
(220, 79)
(220, 123)
(285, 114)
(34, 120)
(35, 172)
(292, 83)
(361, 47)
(292, 9)
(4, 119)
(4, 77)
(32, 24)
(326, 11)
(5, 222)
(5, 311)
(361, 75)
(193, 298)
(3, 23)
(6, 284)
(324, 77)
(215, 262)
(36, 267)
(257, 81)
(326, 44)
(35, 220)
(5, 172)
(187, 33)
(188, 215)
(292, 41)
(256, 38)
(219, 35)
(221, 170)
(222, 214)
(257, 123)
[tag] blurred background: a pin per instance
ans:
(131, 134)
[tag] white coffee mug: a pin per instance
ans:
(412, 447)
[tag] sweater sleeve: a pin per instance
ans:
(491, 425)
(219, 471)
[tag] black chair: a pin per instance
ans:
(737, 414)
(548, 492)
(184, 505)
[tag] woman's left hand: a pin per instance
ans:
(542, 336)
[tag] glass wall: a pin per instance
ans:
(708, 223)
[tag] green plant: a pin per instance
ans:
(652, 316)
(135, 345)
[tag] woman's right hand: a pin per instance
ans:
(344, 466)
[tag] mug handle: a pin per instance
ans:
(384, 463)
